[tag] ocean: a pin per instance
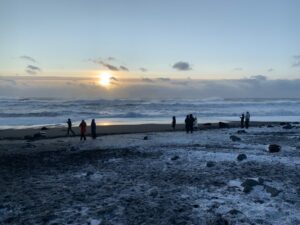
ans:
(34, 112)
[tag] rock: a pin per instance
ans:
(44, 128)
(241, 132)
(72, 149)
(248, 185)
(234, 138)
(210, 164)
(273, 191)
(175, 157)
(241, 157)
(283, 123)
(270, 125)
(219, 220)
(287, 127)
(89, 173)
(274, 148)
(207, 124)
(146, 138)
(234, 212)
(223, 125)
(28, 137)
(39, 135)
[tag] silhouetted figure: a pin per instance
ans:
(174, 122)
(247, 123)
(187, 128)
(82, 130)
(93, 129)
(191, 123)
(242, 120)
(69, 122)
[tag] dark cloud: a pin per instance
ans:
(182, 66)
(258, 77)
(114, 78)
(28, 58)
(143, 69)
(30, 69)
(163, 79)
(107, 65)
(238, 69)
(147, 80)
(124, 68)
(296, 61)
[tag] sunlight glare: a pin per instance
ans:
(104, 79)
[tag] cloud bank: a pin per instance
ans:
(182, 66)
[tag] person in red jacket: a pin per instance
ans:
(82, 130)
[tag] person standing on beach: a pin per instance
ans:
(187, 123)
(82, 130)
(191, 123)
(174, 122)
(69, 122)
(242, 120)
(247, 123)
(93, 129)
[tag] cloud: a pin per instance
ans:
(107, 65)
(147, 80)
(143, 69)
(114, 78)
(182, 66)
(270, 70)
(296, 61)
(111, 58)
(30, 69)
(258, 77)
(238, 69)
(124, 68)
(28, 58)
(165, 79)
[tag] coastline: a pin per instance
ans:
(57, 132)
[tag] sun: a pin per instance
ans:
(104, 79)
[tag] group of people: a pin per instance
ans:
(83, 127)
(190, 123)
(245, 120)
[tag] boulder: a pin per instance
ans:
(234, 138)
(270, 125)
(273, 191)
(175, 157)
(44, 128)
(146, 138)
(223, 125)
(241, 132)
(210, 164)
(248, 184)
(207, 124)
(274, 148)
(287, 127)
(241, 157)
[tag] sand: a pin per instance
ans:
(169, 178)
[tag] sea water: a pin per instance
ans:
(32, 112)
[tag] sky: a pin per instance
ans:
(150, 48)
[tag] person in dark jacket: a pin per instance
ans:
(93, 129)
(191, 123)
(247, 123)
(187, 127)
(242, 120)
(82, 130)
(174, 122)
(69, 122)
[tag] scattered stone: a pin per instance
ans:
(287, 127)
(283, 123)
(235, 138)
(175, 157)
(274, 148)
(241, 157)
(44, 128)
(146, 138)
(223, 125)
(248, 185)
(273, 191)
(270, 125)
(210, 164)
(241, 132)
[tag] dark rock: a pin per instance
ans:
(270, 125)
(234, 138)
(210, 164)
(223, 125)
(175, 157)
(241, 132)
(241, 157)
(274, 148)
(296, 123)
(234, 212)
(248, 185)
(207, 124)
(89, 173)
(73, 149)
(196, 206)
(219, 220)
(287, 127)
(273, 191)
(44, 128)
(283, 123)
(146, 138)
